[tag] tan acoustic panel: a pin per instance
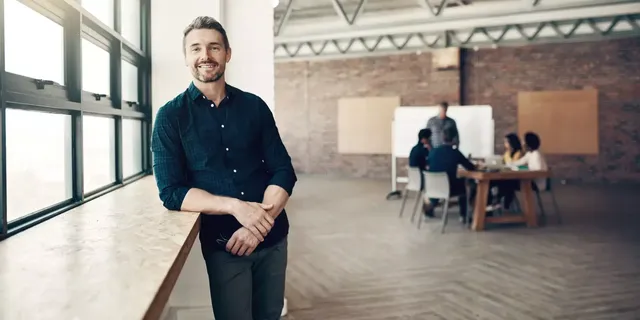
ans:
(566, 121)
(364, 124)
(446, 58)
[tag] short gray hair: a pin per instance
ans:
(205, 22)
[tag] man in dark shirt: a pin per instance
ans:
(217, 151)
(447, 159)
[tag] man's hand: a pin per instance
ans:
(242, 242)
(254, 217)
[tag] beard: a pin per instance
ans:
(208, 71)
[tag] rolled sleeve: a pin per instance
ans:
(275, 153)
(168, 159)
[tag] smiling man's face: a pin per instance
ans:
(206, 54)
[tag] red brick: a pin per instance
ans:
(307, 94)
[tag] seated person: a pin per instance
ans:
(446, 158)
(420, 152)
(513, 148)
(513, 152)
(534, 160)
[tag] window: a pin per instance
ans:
(34, 45)
(131, 147)
(130, 11)
(95, 68)
(38, 161)
(101, 9)
(129, 82)
(99, 152)
(70, 46)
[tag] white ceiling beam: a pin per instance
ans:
(284, 19)
(339, 8)
(393, 18)
(511, 35)
(438, 8)
(391, 25)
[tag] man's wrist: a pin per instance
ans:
(232, 206)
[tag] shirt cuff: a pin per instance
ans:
(285, 181)
(175, 198)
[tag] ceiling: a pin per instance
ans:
(306, 28)
(313, 9)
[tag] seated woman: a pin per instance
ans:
(513, 148)
(534, 160)
(513, 151)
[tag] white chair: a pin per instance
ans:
(436, 186)
(412, 186)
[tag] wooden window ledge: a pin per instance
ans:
(116, 257)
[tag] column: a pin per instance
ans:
(249, 25)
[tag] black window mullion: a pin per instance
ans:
(3, 132)
(144, 145)
(73, 77)
(116, 100)
(117, 16)
(118, 145)
(145, 41)
(116, 73)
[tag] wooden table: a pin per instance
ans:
(484, 178)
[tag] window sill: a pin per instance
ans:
(115, 257)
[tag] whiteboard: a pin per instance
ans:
(475, 128)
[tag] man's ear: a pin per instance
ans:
(228, 54)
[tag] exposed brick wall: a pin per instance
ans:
(494, 77)
(307, 94)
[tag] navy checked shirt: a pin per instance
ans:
(231, 150)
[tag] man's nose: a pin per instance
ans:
(204, 55)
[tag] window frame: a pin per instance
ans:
(20, 92)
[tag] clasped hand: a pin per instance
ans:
(256, 223)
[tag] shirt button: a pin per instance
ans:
(212, 105)
(234, 170)
(203, 97)
(263, 161)
(227, 149)
(222, 126)
(242, 193)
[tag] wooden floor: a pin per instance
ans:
(351, 257)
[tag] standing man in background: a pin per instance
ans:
(217, 151)
(437, 125)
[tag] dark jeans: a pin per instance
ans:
(456, 189)
(507, 190)
(247, 288)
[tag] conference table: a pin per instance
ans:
(484, 178)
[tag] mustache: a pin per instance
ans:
(208, 62)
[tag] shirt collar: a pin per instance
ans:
(196, 94)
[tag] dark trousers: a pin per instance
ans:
(457, 188)
(247, 288)
(508, 190)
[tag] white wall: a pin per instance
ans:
(249, 25)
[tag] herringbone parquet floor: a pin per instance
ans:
(351, 257)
